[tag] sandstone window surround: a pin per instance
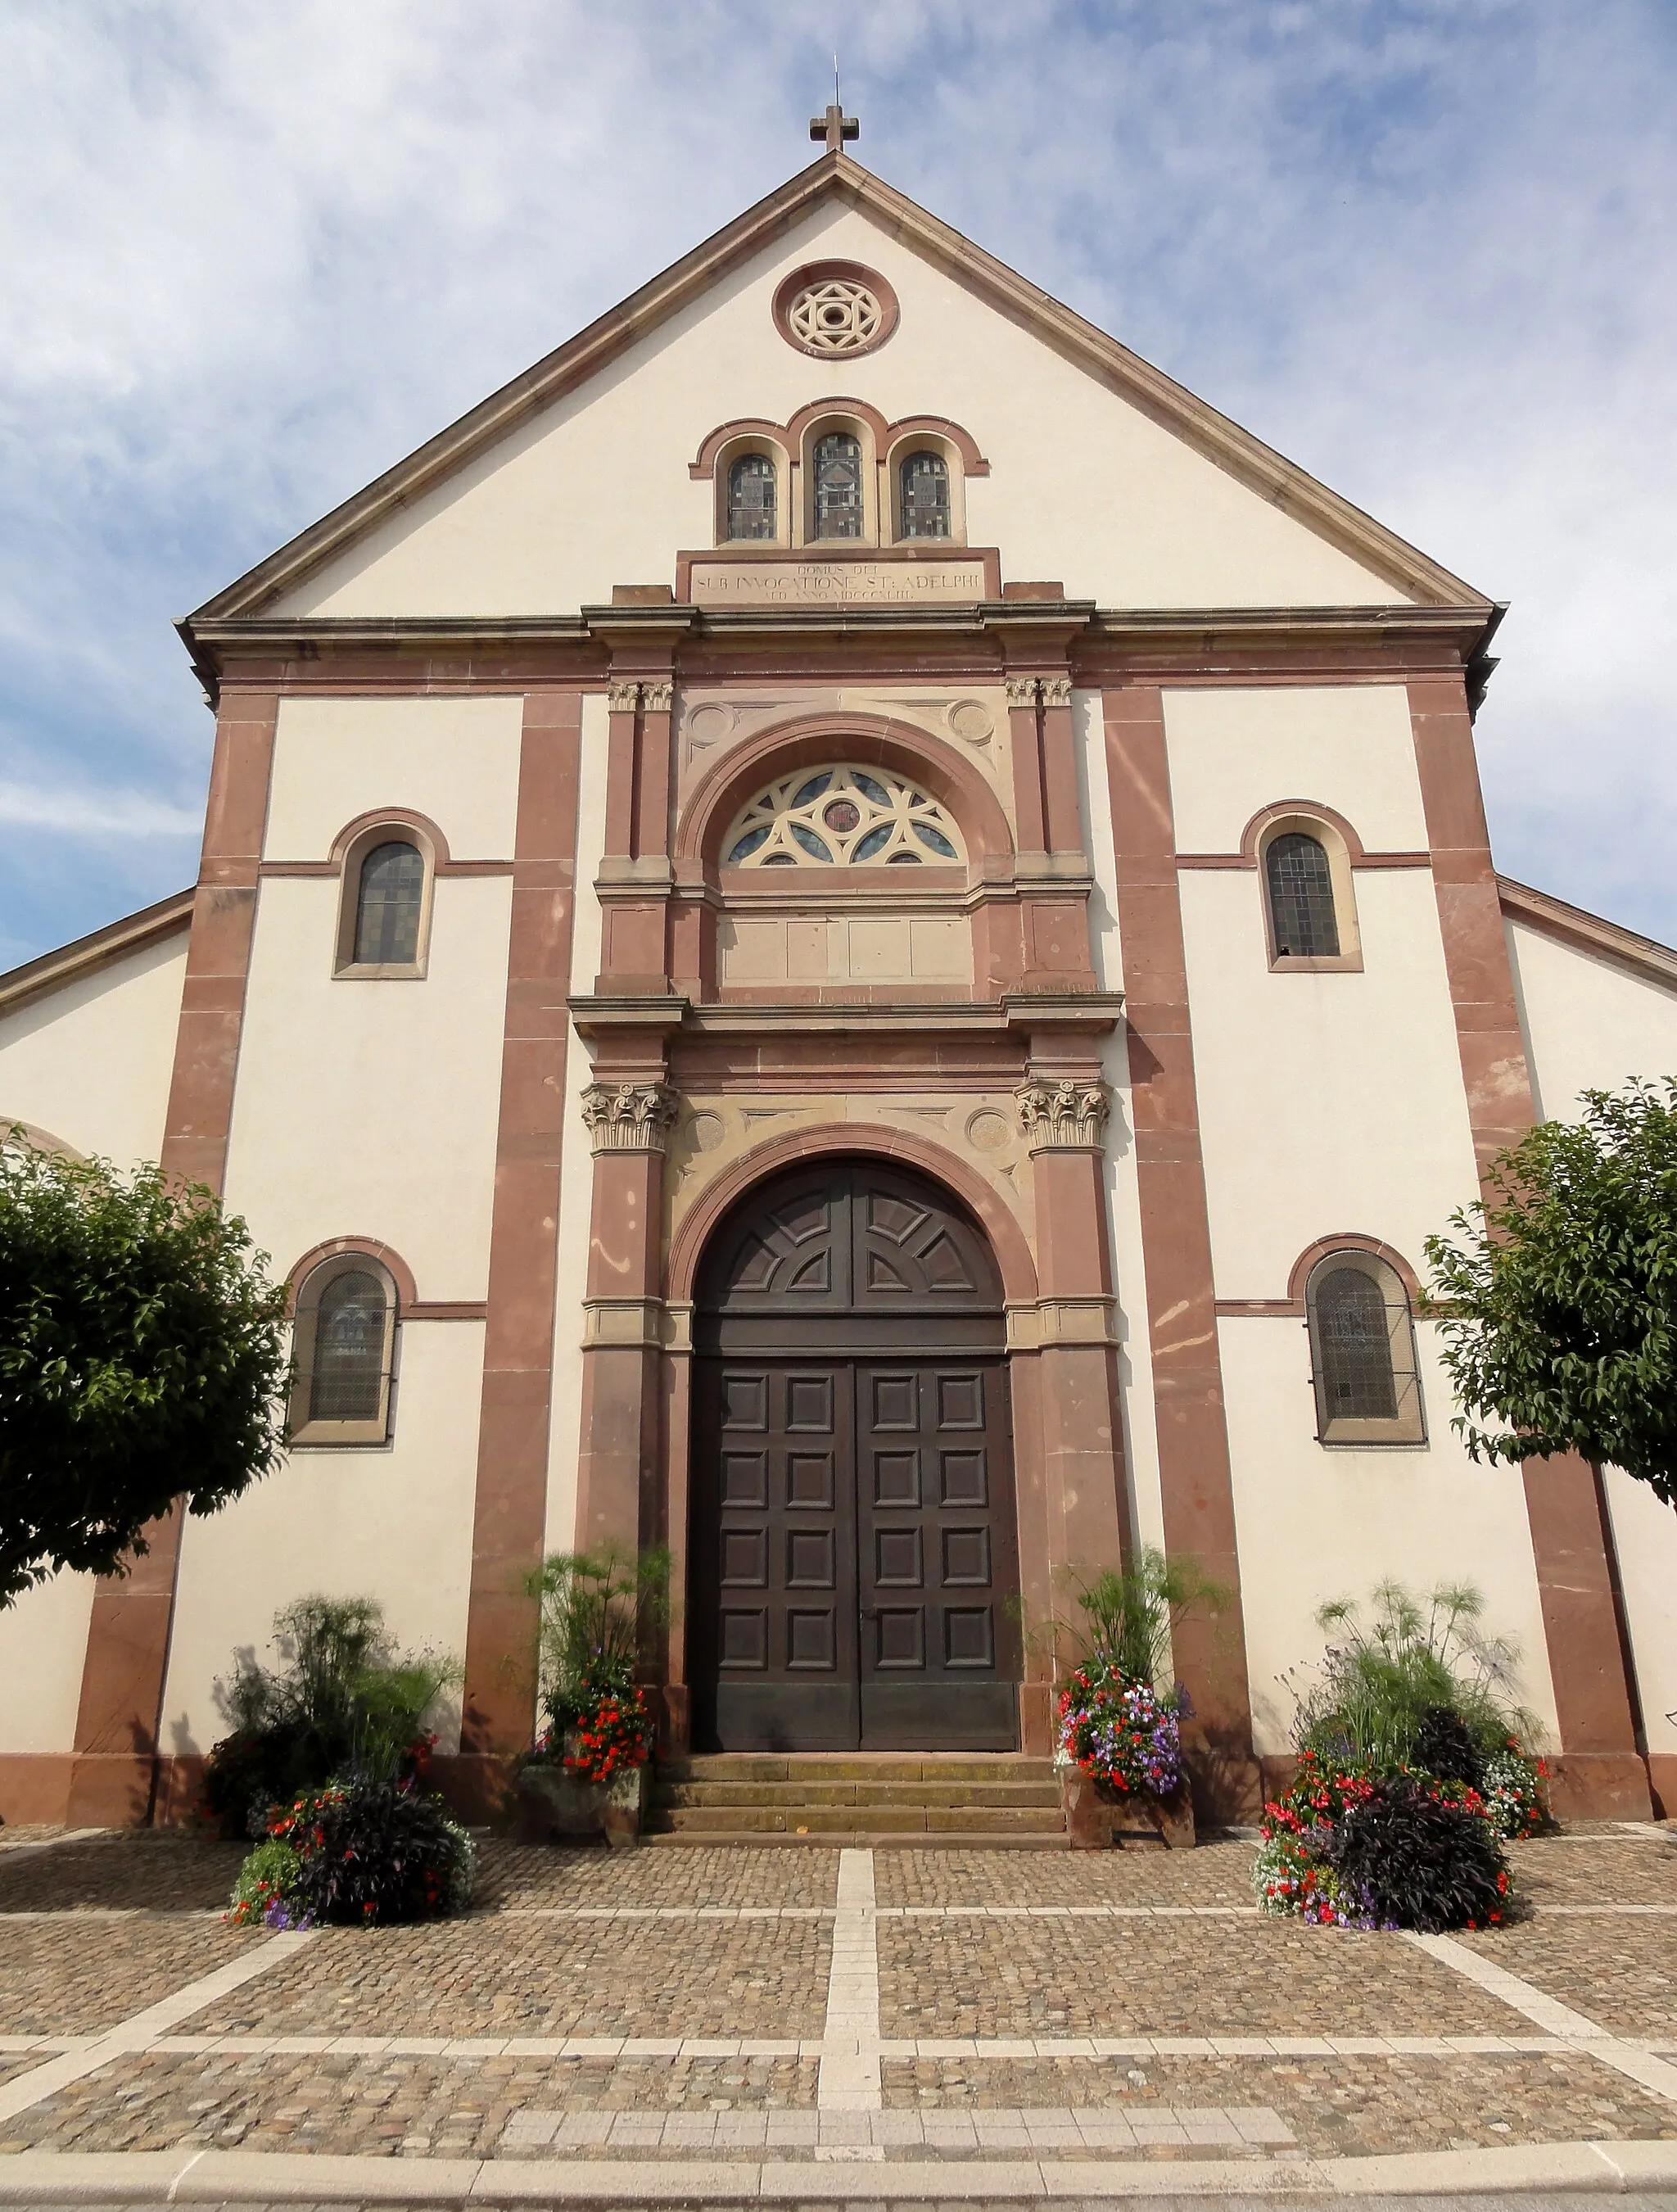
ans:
(343, 1346)
(387, 873)
(1309, 893)
(1363, 1367)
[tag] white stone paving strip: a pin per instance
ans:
(142, 2031)
(849, 2077)
(1632, 2059)
(991, 2128)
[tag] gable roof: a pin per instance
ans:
(836, 176)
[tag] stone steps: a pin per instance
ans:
(909, 1797)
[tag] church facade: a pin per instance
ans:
(847, 934)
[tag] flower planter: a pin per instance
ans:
(1099, 1819)
(556, 1805)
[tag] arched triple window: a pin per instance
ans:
(344, 1353)
(1362, 1353)
(751, 499)
(923, 507)
(384, 918)
(837, 486)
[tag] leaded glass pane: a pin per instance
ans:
(347, 1380)
(752, 496)
(1301, 898)
(844, 815)
(838, 485)
(924, 495)
(1354, 1348)
(387, 903)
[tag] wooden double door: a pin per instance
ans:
(854, 1550)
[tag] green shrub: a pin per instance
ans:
(266, 1884)
(1381, 1678)
(1413, 1859)
(598, 1610)
(1128, 1613)
(357, 1854)
(341, 1702)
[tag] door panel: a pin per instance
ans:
(937, 1552)
(853, 1547)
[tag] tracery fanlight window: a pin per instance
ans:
(835, 315)
(836, 468)
(1301, 919)
(923, 495)
(842, 816)
(344, 1349)
(1362, 1353)
(751, 500)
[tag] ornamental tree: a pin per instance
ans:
(1557, 1300)
(143, 1359)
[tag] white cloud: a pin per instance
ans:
(252, 254)
(96, 813)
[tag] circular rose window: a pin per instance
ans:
(834, 309)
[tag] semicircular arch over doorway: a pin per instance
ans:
(853, 1544)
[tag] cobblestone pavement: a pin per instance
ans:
(521, 1877)
(1335, 2107)
(687, 1953)
(544, 1977)
(1620, 1973)
(140, 1872)
(1216, 1874)
(1039, 1977)
(1616, 1869)
(74, 1977)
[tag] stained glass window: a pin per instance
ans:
(837, 467)
(387, 903)
(924, 478)
(1301, 898)
(839, 816)
(1363, 1353)
(346, 1381)
(752, 496)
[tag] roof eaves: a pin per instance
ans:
(69, 964)
(1588, 932)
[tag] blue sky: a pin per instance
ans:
(249, 254)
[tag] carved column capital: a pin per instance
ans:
(629, 1117)
(1061, 1117)
(622, 698)
(1056, 691)
(655, 697)
(1021, 691)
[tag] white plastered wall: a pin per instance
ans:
(1135, 1360)
(1589, 1024)
(1329, 1102)
(367, 1109)
(1083, 488)
(576, 1159)
(90, 1065)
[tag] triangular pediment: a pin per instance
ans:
(1105, 474)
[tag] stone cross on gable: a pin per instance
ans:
(834, 126)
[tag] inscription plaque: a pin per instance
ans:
(835, 583)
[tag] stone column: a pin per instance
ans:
(1063, 1117)
(628, 1115)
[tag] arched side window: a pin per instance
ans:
(384, 912)
(923, 503)
(836, 503)
(752, 497)
(1362, 1353)
(1309, 905)
(343, 1349)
